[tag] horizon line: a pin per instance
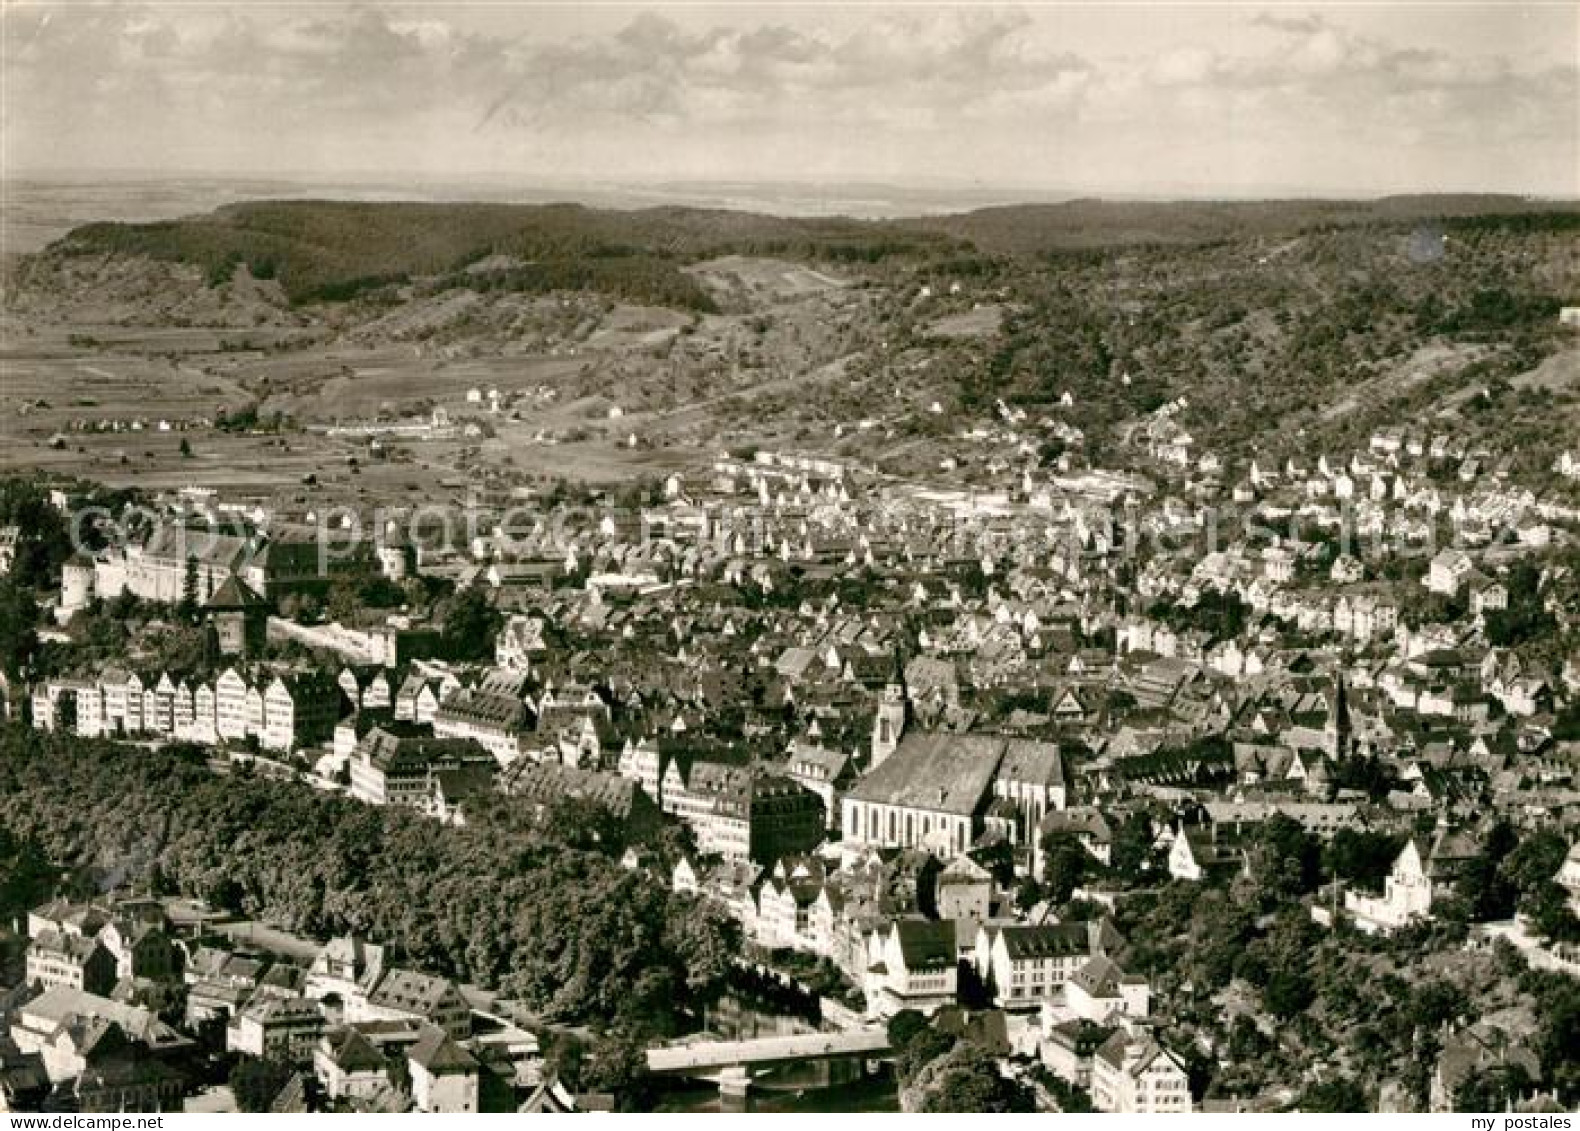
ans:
(500, 183)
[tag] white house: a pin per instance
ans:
(1133, 1074)
(912, 965)
(1447, 571)
(1415, 880)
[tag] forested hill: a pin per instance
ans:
(330, 250)
(1094, 224)
(502, 903)
(327, 250)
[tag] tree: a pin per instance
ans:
(469, 626)
(924, 1046)
(1284, 860)
(25, 875)
(44, 541)
(967, 1079)
(572, 934)
(1288, 992)
(1064, 865)
(1557, 998)
(185, 648)
(1496, 1087)
(344, 600)
(1361, 856)
(1340, 1094)
(1536, 860)
(189, 589)
(904, 1027)
(1218, 932)
(256, 1082)
(18, 634)
(1285, 955)
(1436, 1003)
(1367, 774)
(1526, 617)
(617, 1063)
(1028, 893)
(1550, 914)
(1485, 891)
(1134, 857)
(704, 939)
(564, 1055)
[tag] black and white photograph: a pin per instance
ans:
(743, 558)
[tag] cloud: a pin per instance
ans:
(937, 64)
(1331, 82)
(980, 90)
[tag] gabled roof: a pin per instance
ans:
(940, 772)
(266, 1010)
(926, 945)
(62, 1006)
(234, 593)
(550, 1097)
(964, 870)
(1133, 1054)
(1089, 823)
(76, 949)
(411, 992)
(352, 1052)
(416, 753)
(1054, 940)
(1101, 977)
(1037, 763)
(439, 1054)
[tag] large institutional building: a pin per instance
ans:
(938, 791)
(287, 560)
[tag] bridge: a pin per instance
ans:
(733, 1064)
(704, 1058)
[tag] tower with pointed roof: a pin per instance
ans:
(239, 617)
(890, 722)
(1338, 732)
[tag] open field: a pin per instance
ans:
(94, 405)
(980, 322)
(152, 460)
(46, 388)
(757, 279)
(1428, 363)
(1559, 373)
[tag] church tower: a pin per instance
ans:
(1338, 732)
(890, 723)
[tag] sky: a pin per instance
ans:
(1154, 99)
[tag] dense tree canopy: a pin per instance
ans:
(18, 626)
(1065, 864)
(566, 930)
(470, 624)
(967, 1079)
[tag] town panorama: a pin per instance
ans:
(776, 644)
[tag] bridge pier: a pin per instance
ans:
(735, 1088)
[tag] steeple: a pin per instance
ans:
(1338, 731)
(889, 724)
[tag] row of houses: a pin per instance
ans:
(738, 812)
(282, 711)
(370, 1034)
